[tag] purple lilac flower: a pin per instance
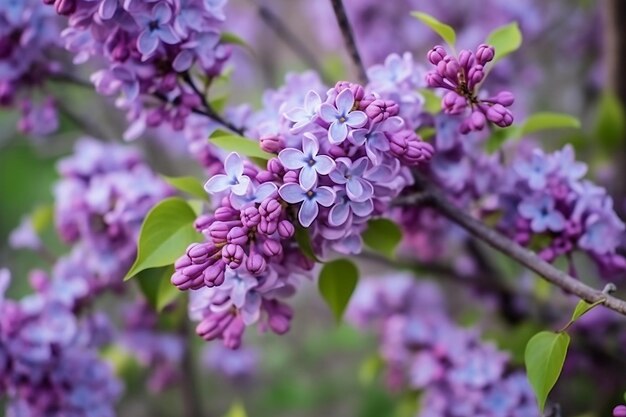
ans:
(236, 365)
(307, 161)
(310, 199)
(341, 116)
(234, 179)
(542, 213)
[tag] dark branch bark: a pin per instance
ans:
(348, 37)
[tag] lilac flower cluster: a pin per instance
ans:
(48, 358)
(462, 76)
(28, 35)
(100, 202)
(148, 47)
(458, 374)
(549, 206)
(340, 162)
(157, 351)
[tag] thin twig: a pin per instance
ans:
(522, 255)
(208, 110)
(188, 387)
(71, 79)
(348, 37)
(83, 123)
(291, 40)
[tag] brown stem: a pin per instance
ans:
(348, 37)
(189, 388)
(522, 255)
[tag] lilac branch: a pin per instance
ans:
(516, 252)
(348, 37)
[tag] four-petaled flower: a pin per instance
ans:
(294, 193)
(233, 179)
(351, 174)
(304, 116)
(253, 195)
(342, 116)
(156, 26)
(307, 161)
(374, 139)
(344, 207)
(542, 213)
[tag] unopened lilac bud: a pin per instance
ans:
(272, 247)
(336, 151)
(366, 101)
(238, 235)
(65, 7)
(225, 214)
(169, 82)
(357, 90)
(475, 75)
(449, 68)
(452, 103)
(466, 59)
(214, 274)
(279, 316)
(182, 262)
(267, 227)
(499, 115)
(218, 232)
(485, 53)
(477, 120)
(290, 177)
(212, 326)
(270, 208)
(256, 264)
(272, 143)
(434, 80)
(265, 176)
(380, 110)
(233, 334)
(250, 216)
(436, 54)
(275, 167)
(286, 229)
(506, 98)
(203, 222)
(233, 255)
(199, 252)
(619, 411)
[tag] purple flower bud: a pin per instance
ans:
(212, 326)
(203, 222)
(238, 235)
(199, 252)
(434, 80)
(357, 90)
(436, 54)
(272, 247)
(466, 59)
(499, 115)
(182, 262)
(452, 103)
(477, 120)
(270, 208)
(225, 213)
(286, 229)
(279, 316)
(233, 255)
(267, 227)
(409, 148)
(291, 177)
(485, 53)
(449, 68)
(250, 216)
(219, 231)
(65, 7)
(366, 101)
(619, 411)
(272, 143)
(214, 274)
(265, 176)
(336, 151)
(475, 75)
(506, 98)
(233, 333)
(380, 110)
(256, 264)
(275, 167)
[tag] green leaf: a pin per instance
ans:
(505, 40)
(610, 125)
(446, 32)
(581, 308)
(155, 285)
(337, 281)
(370, 369)
(165, 233)
(219, 104)
(236, 410)
(304, 242)
(230, 38)
(500, 136)
(189, 185)
(547, 121)
(426, 133)
(236, 143)
(383, 236)
(432, 102)
(544, 358)
(42, 217)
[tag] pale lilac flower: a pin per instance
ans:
(294, 193)
(25, 236)
(304, 116)
(345, 207)
(157, 27)
(350, 174)
(374, 139)
(238, 282)
(542, 214)
(307, 161)
(234, 179)
(342, 116)
(567, 166)
(603, 231)
(253, 195)
(535, 170)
